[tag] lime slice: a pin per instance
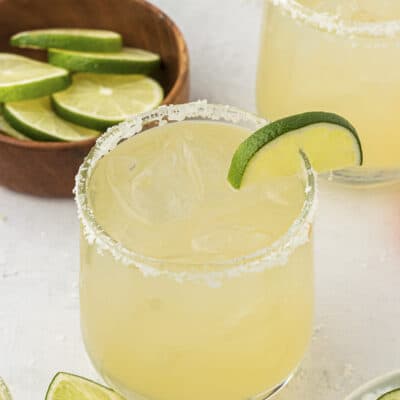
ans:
(99, 101)
(36, 119)
(392, 395)
(7, 129)
(73, 39)
(127, 61)
(329, 140)
(4, 392)
(22, 78)
(72, 387)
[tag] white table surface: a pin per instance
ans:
(357, 327)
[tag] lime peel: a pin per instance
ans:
(36, 119)
(7, 129)
(69, 38)
(127, 61)
(267, 134)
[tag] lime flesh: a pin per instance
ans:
(4, 392)
(72, 387)
(329, 141)
(392, 395)
(22, 78)
(99, 101)
(73, 39)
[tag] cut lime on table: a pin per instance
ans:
(6, 128)
(4, 392)
(72, 387)
(99, 101)
(127, 61)
(392, 395)
(36, 119)
(69, 38)
(22, 78)
(329, 141)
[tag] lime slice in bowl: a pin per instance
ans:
(392, 395)
(4, 392)
(22, 78)
(6, 128)
(99, 101)
(69, 38)
(127, 61)
(329, 141)
(36, 119)
(72, 387)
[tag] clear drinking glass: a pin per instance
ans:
(173, 328)
(340, 56)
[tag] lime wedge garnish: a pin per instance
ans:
(127, 61)
(4, 392)
(36, 119)
(99, 101)
(72, 387)
(392, 395)
(6, 128)
(73, 39)
(329, 140)
(22, 78)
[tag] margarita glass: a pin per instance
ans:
(342, 56)
(190, 288)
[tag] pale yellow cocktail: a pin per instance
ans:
(341, 56)
(191, 289)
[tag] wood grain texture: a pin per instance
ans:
(48, 169)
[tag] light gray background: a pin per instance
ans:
(357, 328)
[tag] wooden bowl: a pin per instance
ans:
(49, 168)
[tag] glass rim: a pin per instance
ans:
(274, 254)
(334, 24)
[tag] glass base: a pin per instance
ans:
(129, 395)
(270, 393)
(364, 177)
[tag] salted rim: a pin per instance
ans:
(274, 255)
(334, 24)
